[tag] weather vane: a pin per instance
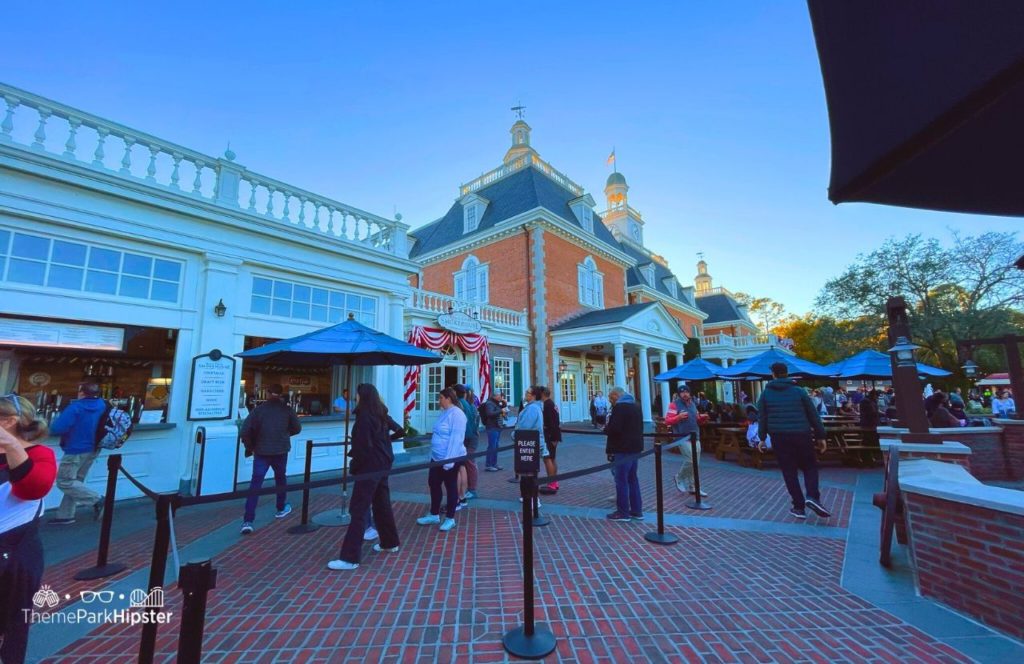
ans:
(700, 255)
(519, 110)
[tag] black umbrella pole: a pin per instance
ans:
(696, 504)
(660, 536)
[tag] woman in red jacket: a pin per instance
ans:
(27, 473)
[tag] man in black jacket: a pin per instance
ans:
(491, 413)
(552, 437)
(266, 434)
(625, 430)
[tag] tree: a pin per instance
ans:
(971, 289)
(766, 312)
(824, 339)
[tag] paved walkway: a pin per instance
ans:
(746, 583)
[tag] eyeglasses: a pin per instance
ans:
(104, 596)
(16, 400)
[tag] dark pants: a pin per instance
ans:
(437, 478)
(367, 493)
(17, 585)
(472, 472)
(627, 486)
(493, 440)
(795, 452)
(261, 463)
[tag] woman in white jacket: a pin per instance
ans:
(447, 442)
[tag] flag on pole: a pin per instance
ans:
(611, 158)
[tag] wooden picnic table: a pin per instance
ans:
(732, 441)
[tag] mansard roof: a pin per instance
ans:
(635, 277)
(720, 308)
(515, 194)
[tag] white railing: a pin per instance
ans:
(621, 207)
(439, 303)
(518, 164)
(747, 341)
(717, 290)
(91, 141)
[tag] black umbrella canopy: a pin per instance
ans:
(925, 102)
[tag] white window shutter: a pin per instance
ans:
(581, 277)
(599, 290)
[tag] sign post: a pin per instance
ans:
(529, 641)
(211, 387)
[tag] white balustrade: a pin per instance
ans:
(439, 303)
(30, 120)
(518, 164)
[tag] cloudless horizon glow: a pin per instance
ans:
(716, 112)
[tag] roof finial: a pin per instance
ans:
(700, 255)
(519, 110)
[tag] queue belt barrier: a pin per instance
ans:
(103, 568)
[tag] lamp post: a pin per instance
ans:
(909, 400)
(1011, 345)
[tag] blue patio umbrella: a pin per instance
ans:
(759, 366)
(873, 365)
(349, 344)
(696, 369)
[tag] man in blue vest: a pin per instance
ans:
(682, 417)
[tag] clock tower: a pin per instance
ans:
(622, 220)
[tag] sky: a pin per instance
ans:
(715, 110)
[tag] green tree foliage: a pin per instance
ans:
(765, 312)
(967, 290)
(824, 339)
(691, 349)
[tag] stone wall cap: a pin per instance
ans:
(952, 482)
(945, 447)
(1013, 423)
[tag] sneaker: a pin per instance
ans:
(618, 516)
(285, 512)
(513, 480)
(548, 490)
(797, 513)
(492, 469)
(463, 504)
(703, 494)
(636, 516)
(62, 522)
(341, 565)
(370, 534)
(379, 549)
(447, 525)
(818, 508)
(247, 528)
(97, 509)
(538, 501)
(470, 495)
(429, 519)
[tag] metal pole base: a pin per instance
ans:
(661, 538)
(694, 505)
(518, 644)
(332, 518)
(304, 528)
(100, 571)
(541, 520)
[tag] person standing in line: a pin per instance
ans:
(77, 426)
(371, 452)
(397, 432)
(531, 418)
(266, 435)
(1003, 405)
(788, 416)
(27, 473)
(625, 431)
(468, 473)
(528, 398)
(447, 442)
(600, 410)
(491, 413)
(552, 437)
(682, 417)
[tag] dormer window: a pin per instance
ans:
(648, 272)
(588, 220)
(672, 285)
(583, 208)
(472, 281)
(473, 207)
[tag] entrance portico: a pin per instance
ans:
(601, 349)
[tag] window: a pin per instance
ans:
(648, 271)
(471, 282)
(274, 297)
(501, 376)
(567, 381)
(471, 219)
(433, 386)
(41, 261)
(590, 284)
(695, 330)
(588, 219)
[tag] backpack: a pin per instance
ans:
(114, 428)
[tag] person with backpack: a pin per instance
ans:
(266, 435)
(79, 428)
(492, 412)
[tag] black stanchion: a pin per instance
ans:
(157, 566)
(529, 641)
(338, 516)
(201, 442)
(195, 579)
(538, 518)
(103, 568)
(304, 525)
(696, 503)
(660, 536)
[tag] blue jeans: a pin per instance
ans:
(260, 465)
(493, 438)
(627, 486)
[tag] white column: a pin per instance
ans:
(527, 377)
(645, 385)
(620, 365)
(679, 359)
(666, 395)
(394, 387)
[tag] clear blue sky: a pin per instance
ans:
(716, 110)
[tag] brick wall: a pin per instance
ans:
(561, 258)
(970, 558)
(507, 272)
(988, 459)
(959, 459)
(1013, 442)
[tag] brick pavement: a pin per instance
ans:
(719, 596)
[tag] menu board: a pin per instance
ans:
(60, 335)
(212, 387)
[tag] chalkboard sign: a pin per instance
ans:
(212, 387)
(527, 452)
